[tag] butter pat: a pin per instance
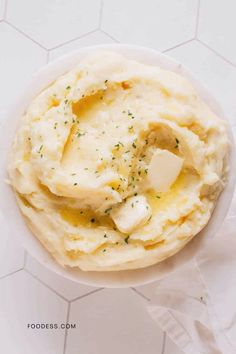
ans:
(163, 170)
(131, 214)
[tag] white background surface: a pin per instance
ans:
(33, 32)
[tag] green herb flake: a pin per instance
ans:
(79, 134)
(40, 149)
(107, 210)
(177, 143)
(127, 239)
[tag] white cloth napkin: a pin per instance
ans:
(196, 305)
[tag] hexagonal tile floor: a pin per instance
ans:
(33, 33)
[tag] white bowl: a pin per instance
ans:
(14, 221)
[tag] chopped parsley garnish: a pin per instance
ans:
(129, 113)
(106, 81)
(134, 145)
(68, 88)
(117, 146)
(75, 184)
(177, 143)
(80, 134)
(127, 239)
(40, 149)
(107, 210)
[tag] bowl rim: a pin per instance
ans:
(126, 278)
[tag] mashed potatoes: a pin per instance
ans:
(117, 165)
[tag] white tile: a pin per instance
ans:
(171, 347)
(217, 26)
(23, 301)
(56, 21)
(90, 39)
(2, 7)
(154, 23)
(19, 59)
(67, 288)
(232, 209)
(213, 71)
(113, 321)
(11, 254)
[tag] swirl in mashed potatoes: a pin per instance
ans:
(117, 165)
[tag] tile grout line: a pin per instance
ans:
(216, 53)
(163, 349)
(73, 40)
(87, 294)
(5, 10)
(46, 285)
(197, 18)
(108, 35)
(11, 273)
(24, 34)
(66, 330)
(140, 294)
(100, 15)
(178, 45)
